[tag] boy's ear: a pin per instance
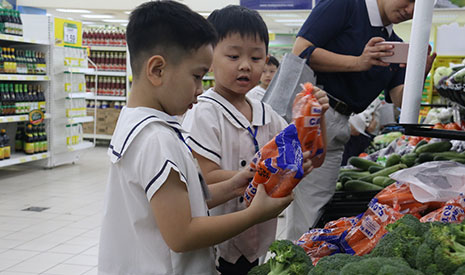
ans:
(155, 69)
(267, 59)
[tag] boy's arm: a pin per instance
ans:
(221, 188)
(182, 232)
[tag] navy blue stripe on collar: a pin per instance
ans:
(227, 110)
(263, 113)
(160, 173)
(203, 147)
(132, 131)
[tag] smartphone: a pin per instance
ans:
(400, 52)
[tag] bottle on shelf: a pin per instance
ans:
(19, 138)
(2, 145)
(29, 140)
(5, 139)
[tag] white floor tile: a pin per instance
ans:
(8, 244)
(93, 271)
(83, 260)
(67, 269)
(15, 273)
(16, 254)
(7, 263)
(70, 249)
(93, 251)
(40, 263)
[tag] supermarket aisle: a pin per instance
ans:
(62, 239)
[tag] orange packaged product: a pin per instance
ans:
(306, 115)
(278, 164)
(452, 212)
(364, 236)
(396, 194)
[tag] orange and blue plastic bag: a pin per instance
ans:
(279, 163)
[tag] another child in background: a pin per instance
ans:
(227, 129)
(271, 67)
(156, 217)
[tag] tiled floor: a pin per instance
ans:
(64, 238)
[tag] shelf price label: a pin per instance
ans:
(70, 33)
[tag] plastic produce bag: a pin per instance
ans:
(434, 181)
(278, 164)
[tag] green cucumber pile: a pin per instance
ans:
(371, 176)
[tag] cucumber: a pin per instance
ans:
(450, 155)
(425, 157)
(419, 144)
(374, 169)
(344, 179)
(339, 186)
(385, 172)
(393, 159)
(358, 185)
(441, 146)
(440, 158)
(362, 163)
(349, 170)
(408, 159)
(383, 181)
(354, 175)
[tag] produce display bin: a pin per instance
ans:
(344, 204)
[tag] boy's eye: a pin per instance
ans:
(233, 56)
(198, 77)
(256, 58)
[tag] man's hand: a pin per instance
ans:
(372, 53)
(322, 99)
(429, 60)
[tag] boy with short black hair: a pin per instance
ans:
(227, 129)
(271, 67)
(156, 216)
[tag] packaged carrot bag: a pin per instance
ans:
(278, 164)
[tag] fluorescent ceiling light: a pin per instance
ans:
(97, 16)
(89, 23)
(289, 20)
(127, 12)
(204, 13)
(125, 24)
(116, 20)
(73, 11)
(293, 24)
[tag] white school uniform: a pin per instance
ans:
(218, 132)
(257, 93)
(144, 149)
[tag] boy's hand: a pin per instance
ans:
(307, 164)
(265, 207)
(322, 99)
(241, 180)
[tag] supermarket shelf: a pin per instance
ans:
(81, 146)
(77, 95)
(109, 73)
(91, 96)
(79, 70)
(97, 136)
(21, 77)
(83, 119)
(21, 158)
(6, 37)
(18, 118)
(108, 48)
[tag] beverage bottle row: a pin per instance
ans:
(107, 85)
(105, 104)
(10, 22)
(109, 61)
(19, 98)
(104, 36)
(31, 139)
(20, 61)
(5, 149)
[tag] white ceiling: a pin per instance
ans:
(277, 21)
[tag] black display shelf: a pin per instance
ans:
(426, 130)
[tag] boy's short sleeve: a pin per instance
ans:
(160, 152)
(204, 133)
(325, 21)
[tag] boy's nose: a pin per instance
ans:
(244, 66)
